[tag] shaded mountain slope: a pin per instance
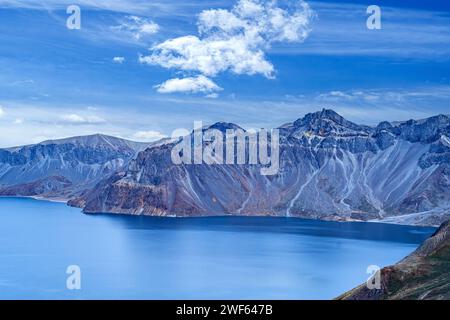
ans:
(61, 168)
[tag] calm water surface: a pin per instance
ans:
(124, 257)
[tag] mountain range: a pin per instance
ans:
(63, 168)
(330, 168)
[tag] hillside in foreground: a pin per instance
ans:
(423, 275)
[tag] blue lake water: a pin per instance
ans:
(127, 257)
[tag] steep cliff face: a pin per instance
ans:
(61, 168)
(423, 275)
(330, 168)
(53, 187)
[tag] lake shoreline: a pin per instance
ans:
(340, 220)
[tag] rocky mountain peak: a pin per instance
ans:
(426, 131)
(385, 125)
(326, 114)
(328, 122)
(224, 126)
(82, 159)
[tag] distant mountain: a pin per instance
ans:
(423, 275)
(330, 168)
(63, 168)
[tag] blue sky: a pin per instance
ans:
(114, 77)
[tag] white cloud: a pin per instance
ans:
(18, 121)
(385, 96)
(78, 119)
(122, 6)
(138, 27)
(210, 57)
(234, 40)
(2, 111)
(119, 60)
(42, 120)
(148, 136)
(189, 85)
(212, 96)
(335, 96)
(23, 82)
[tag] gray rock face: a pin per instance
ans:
(62, 168)
(330, 168)
(51, 186)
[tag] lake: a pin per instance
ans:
(133, 257)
